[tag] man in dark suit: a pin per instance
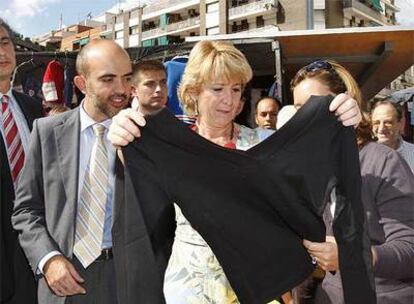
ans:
(18, 112)
(64, 203)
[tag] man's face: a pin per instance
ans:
(108, 86)
(386, 126)
(7, 55)
(266, 114)
(151, 90)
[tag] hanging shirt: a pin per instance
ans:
(53, 83)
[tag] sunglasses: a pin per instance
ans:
(318, 65)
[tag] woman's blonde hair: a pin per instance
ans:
(338, 80)
(211, 61)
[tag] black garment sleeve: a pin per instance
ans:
(147, 228)
(349, 224)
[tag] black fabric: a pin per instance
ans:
(141, 244)
(100, 283)
(14, 265)
(254, 207)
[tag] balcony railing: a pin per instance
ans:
(154, 32)
(362, 7)
(162, 4)
(171, 27)
(253, 7)
(183, 24)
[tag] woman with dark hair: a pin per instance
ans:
(387, 195)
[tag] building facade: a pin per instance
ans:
(170, 21)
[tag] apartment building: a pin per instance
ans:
(170, 21)
(54, 38)
(97, 29)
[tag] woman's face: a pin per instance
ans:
(306, 89)
(219, 103)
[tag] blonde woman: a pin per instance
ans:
(214, 79)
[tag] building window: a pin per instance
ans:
(119, 34)
(192, 13)
(213, 30)
(133, 30)
(244, 25)
(213, 7)
(260, 21)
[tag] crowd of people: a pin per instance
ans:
(83, 221)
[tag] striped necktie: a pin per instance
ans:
(91, 208)
(14, 144)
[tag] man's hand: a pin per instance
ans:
(125, 127)
(62, 277)
(347, 110)
(325, 254)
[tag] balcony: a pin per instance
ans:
(182, 25)
(362, 11)
(390, 4)
(170, 28)
(256, 7)
(157, 7)
(153, 33)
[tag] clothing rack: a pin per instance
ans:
(43, 54)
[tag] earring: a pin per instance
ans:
(196, 108)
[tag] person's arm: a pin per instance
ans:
(29, 221)
(395, 204)
(29, 218)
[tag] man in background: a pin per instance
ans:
(387, 124)
(149, 85)
(266, 112)
(18, 112)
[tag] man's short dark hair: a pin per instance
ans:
(145, 66)
(279, 104)
(396, 106)
(8, 29)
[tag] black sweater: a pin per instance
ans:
(254, 207)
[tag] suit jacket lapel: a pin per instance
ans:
(28, 109)
(67, 142)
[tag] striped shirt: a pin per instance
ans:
(406, 150)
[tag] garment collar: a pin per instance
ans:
(86, 121)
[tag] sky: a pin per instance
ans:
(36, 17)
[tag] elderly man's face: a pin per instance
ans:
(7, 55)
(386, 126)
(266, 113)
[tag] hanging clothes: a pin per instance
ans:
(31, 86)
(68, 87)
(175, 69)
(53, 83)
(274, 90)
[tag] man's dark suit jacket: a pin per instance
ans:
(252, 207)
(14, 265)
